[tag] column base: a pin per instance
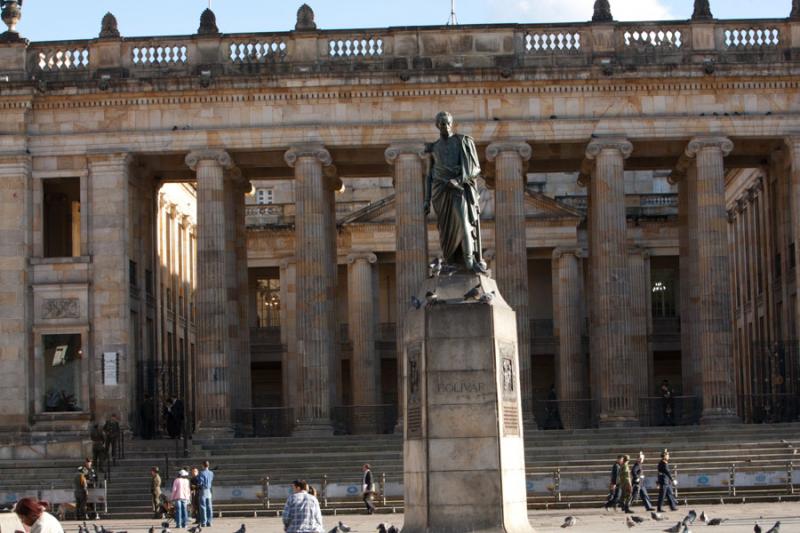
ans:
(313, 428)
(716, 417)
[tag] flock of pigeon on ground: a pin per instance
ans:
(340, 527)
(682, 526)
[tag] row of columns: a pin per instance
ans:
(617, 377)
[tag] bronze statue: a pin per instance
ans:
(450, 186)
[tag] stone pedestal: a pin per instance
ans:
(464, 458)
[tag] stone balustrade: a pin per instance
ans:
(503, 46)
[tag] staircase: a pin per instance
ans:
(249, 461)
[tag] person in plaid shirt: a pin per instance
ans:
(301, 514)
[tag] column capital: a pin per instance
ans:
(369, 257)
(561, 251)
(697, 144)
(793, 144)
(598, 144)
(315, 150)
(219, 157)
(498, 147)
(395, 150)
(109, 158)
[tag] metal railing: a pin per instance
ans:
(672, 411)
(769, 408)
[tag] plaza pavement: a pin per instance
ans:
(741, 519)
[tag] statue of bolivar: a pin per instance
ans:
(451, 188)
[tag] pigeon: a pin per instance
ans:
(675, 529)
(686, 529)
(637, 519)
(165, 525)
(392, 529)
(569, 521)
(486, 297)
(689, 518)
(334, 530)
(415, 302)
(656, 516)
(474, 293)
(436, 267)
(344, 527)
(381, 528)
(756, 528)
(431, 298)
(630, 522)
(703, 517)
(195, 529)
(97, 528)
(242, 529)
(715, 521)
(776, 528)
(151, 530)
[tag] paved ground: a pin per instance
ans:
(740, 519)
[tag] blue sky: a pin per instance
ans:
(80, 19)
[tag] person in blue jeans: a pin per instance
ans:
(180, 498)
(205, 480)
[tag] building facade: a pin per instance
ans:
(236, 219)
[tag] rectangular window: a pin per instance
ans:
(132, 274)
(61, 210)
(268, 301)
(264, 196)
(62, 372)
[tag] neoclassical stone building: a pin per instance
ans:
(641, 205)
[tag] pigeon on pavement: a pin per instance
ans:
(637, 519)
(630, 522)
(569, 521)
(656, 516)
(344, 527)
(776, 528)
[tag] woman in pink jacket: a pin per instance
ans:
(181, 494)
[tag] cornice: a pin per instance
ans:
(470, 88)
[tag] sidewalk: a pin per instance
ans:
(742, 518)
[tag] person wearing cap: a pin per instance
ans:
(665, 484)
(155, 491)
(181, 494)
(33, 514)
(302, 514)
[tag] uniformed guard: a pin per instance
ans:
(665, 483)
(639, 489)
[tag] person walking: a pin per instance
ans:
(665, 484)
(181, 494)
(98, 446)
(368, 489)
(613, 486)
(639, 489)
(302, 514)
(205, 481)
(155, 491)
(31, 512)
(625, 483)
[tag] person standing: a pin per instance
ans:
(80, 486)
(625, 483)
(98, 446)
(155, 491)
(205, 481)
(639, 489)
(368, 489)
(112, 432)
(613, 486)
(302, 514)
(665, 484)
(194, 485)
(146, 417)
(181, 494)
(31, 512)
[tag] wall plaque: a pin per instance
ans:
(507, 367)
(413, 391)
(110, 368)
(53, 308)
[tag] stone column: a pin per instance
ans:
(411, 240)
(364, 364)
(16, 312)
(110, 305)
(213, 364)
(511, 251)
(641, 355)
(793, 156)
(610, 316)
(571, 376)
(713, 279)
(316, 351)
(688, 290)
